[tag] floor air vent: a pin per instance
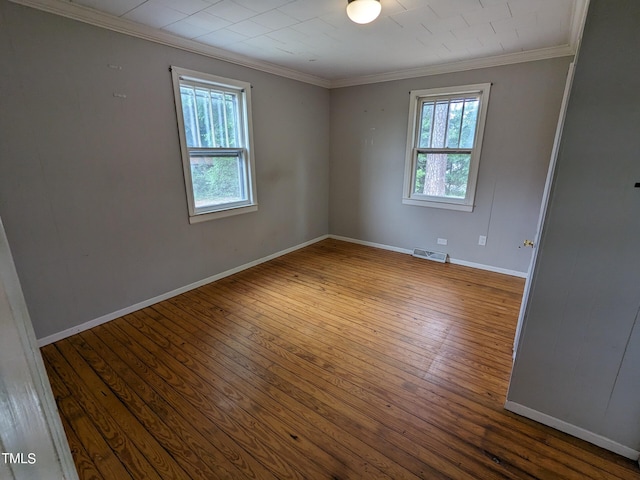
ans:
(435, 256)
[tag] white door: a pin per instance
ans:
(32, 441)
(544, 204)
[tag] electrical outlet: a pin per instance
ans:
(442, 241)
(482, 240)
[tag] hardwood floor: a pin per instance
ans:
(336, 361)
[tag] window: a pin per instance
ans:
(443, 146)
(214, 125)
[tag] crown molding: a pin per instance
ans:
(460, 66)
(121, 25)
(578, 19)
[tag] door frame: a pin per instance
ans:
(31, 429)
(578, 21)
(544, 205)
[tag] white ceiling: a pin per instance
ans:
(315, 37)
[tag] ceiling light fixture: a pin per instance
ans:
(363, 11)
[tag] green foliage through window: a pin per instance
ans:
(210, 117)
(217, 180)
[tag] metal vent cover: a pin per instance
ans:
(428, 255)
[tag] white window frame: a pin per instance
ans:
(417, 97)
(244, 151)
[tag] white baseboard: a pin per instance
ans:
(125, 311)
(573, 430)
(371, 244)
(453, 261)
(490, 268)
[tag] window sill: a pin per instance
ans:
(204, 217)
(444, 205)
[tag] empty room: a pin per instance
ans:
(319, 239)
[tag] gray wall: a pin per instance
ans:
(91, 186)
(579, 352)
(368, 140)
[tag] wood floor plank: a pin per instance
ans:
(376, 338)
(361, 384)
(242, 460)
(230, 409)
(434, 295)
(340, 446)
(396, 304)
(146, 442)
(274, 384)
(82, 457)
(295, 315)
(130, 449)
(348, 395)
(378, 308)
(105, 459)
(336, 361)
(84, 464)
(166, 428)
(384, 320)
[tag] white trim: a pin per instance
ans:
(31, 417)
(578, 19)
(453, 261)
(103, 20)
(121, 25)
(489, 268)
(371, 244)
(461, 66)
(146, 303)
(228, 212)
(460, 207)
(573, 430)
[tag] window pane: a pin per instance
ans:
(467, 136)
(211, 118)
(217, 180)
(187, 97)
(440, 124)
(217, 119)
(231, 105)
(455, 121)
(205, 126)
(442, 174)
(426, 121)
